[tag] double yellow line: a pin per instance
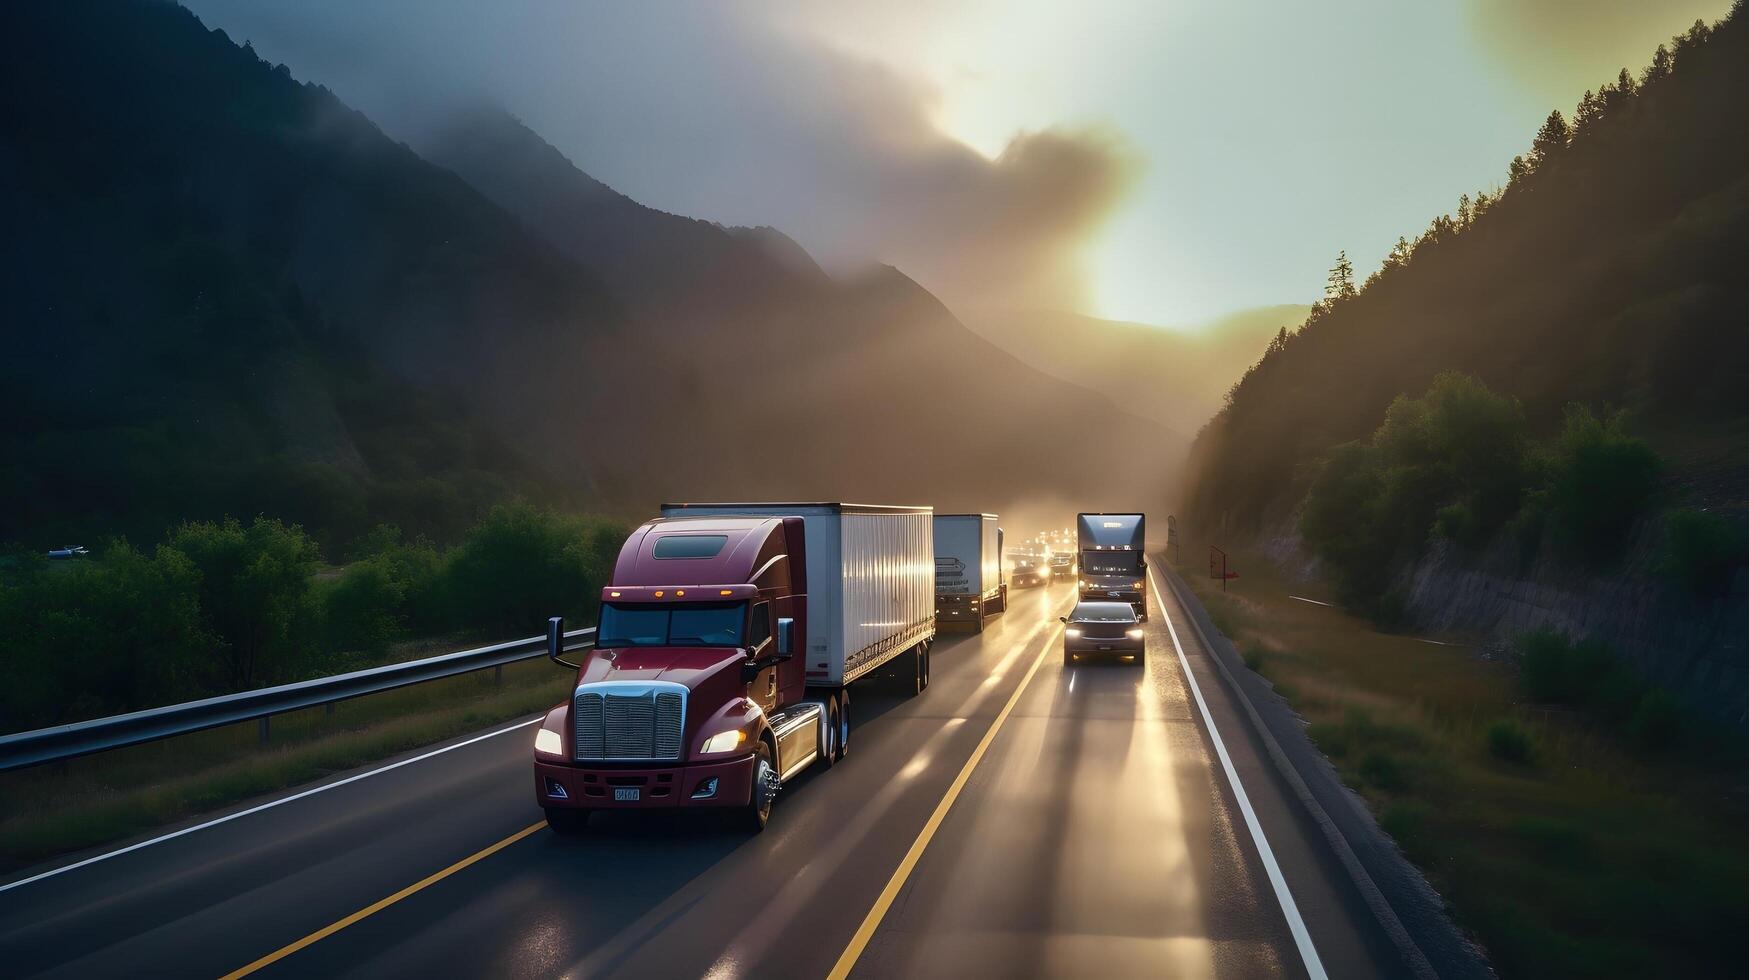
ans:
(872, 921)
(846, 960)
(377, 906)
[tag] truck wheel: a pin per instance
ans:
(829, 744)
(842, 742)
(923, 663)
(978, 624)
(757, 813)
(566, 821)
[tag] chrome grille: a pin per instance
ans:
(628, 722)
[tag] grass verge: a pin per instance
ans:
(1560, 842)
(116, 795)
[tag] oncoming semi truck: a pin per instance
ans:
(728, 638)
(1114, 566)
(968, 569)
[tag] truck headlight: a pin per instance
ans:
(548, 742)
(1135, 634)
(1071, 631)
(727, 741)
(1138, 586)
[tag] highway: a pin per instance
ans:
(1019, 818)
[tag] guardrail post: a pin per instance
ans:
(261, 727)
(328, 709)
(498, 675)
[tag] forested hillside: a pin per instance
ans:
(225, 291)
(229, 294)
(1607, 271)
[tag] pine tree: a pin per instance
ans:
(1550, 140)
(1464, 214)
(1517, 171)
(1340, 284)
(1661, 65)
(1589, 112)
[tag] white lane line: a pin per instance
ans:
(1295, 924)
(270, 804)
(1312, 601)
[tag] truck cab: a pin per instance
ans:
(694, 694)
(1112, 559)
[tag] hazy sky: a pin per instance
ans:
(1155, 161)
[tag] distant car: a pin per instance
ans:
(1062, 565)
(1110, 628)
(69, 551)
(1027, 569)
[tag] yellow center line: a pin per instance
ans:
(380, 904)
(871, 922)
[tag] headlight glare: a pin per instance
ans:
(727, 741)
(548, 742)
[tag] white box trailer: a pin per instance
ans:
(870, 580)
(968, 569)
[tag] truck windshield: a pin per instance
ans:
(1111, 562)
(693, 624)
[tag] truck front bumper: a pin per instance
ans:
(582, 787)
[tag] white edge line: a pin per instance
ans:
(1295, 924)
(270, 804)
(1314, 602)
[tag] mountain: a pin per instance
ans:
(227, 292)
(1609, 271)
(865, 373)
(1178, 378)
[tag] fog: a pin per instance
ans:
(716, 111)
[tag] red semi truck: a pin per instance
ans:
(729, 635)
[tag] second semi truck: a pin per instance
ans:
(1113, 563)
(728, 638)
(968, 569)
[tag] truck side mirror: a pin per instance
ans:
(556, 642)
(786, 629)
(1062, 619)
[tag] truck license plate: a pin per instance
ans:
(1105, 646)
(628, 793)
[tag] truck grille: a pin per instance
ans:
(643, 722)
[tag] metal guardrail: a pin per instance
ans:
(62, 742)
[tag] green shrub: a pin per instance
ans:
(1454, 463)
(1547, 668)
(523, 564)
(1382, 770)
(256, 597)
(1254, 654)
(1405, 820)
(1702, 551)
(1509, 742)
(365, 608)
(1555, 841)
(1601, 482)
(1657, 721)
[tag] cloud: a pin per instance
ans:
(729, 113)
(1556, 49)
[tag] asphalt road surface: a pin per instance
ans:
(1019, 818)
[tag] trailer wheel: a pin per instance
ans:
(843, 739)
(829, 744)
(923, 663)
(567, 821)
